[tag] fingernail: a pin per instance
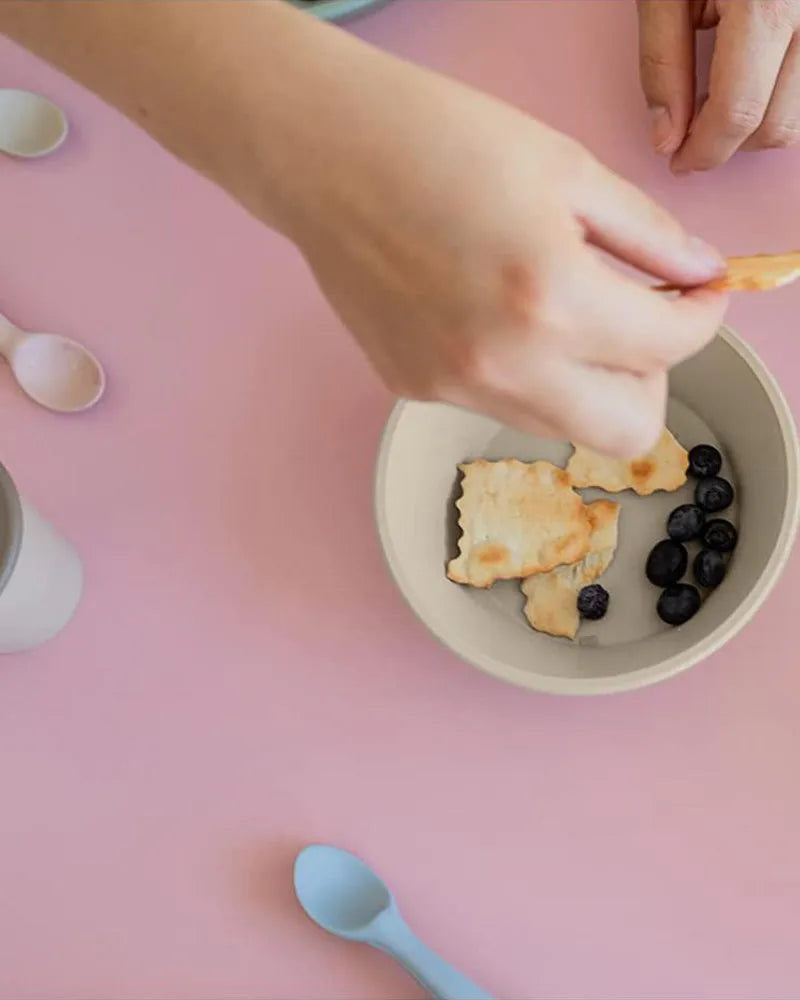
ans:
(661, 124)
(706, 256)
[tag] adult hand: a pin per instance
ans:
(754, 88)
(457, 240)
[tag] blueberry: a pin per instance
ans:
(713, 494)
(704, 461)
(593, 602)
(719, 535)
(678, 603)
(685, 522)
(709, 568)
(666, 563)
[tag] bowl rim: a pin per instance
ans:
(759, 591)
(339, 10)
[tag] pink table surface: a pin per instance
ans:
(243, 678)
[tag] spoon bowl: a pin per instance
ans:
(338, 891)
(57, 372)
(30, 125)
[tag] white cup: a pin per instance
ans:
(41, 576)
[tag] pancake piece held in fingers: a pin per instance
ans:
(516, 519)
(552, 598)
(664, 468)
(758, 273)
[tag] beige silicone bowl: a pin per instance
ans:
(725, 396)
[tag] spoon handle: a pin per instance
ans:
(441, 980)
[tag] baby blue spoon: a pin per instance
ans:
(343, 896)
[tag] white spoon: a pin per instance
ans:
(55, 372)
(30, 125)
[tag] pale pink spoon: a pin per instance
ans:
(55, 372)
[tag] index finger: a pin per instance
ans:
(620, 218)
(748, 53)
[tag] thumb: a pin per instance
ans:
(666, 67)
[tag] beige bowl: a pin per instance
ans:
(725, 396)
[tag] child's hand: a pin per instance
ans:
(456, 238)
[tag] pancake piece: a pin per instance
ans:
(552, 598)
(664, 468)
(516, 519)
(758, 273)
